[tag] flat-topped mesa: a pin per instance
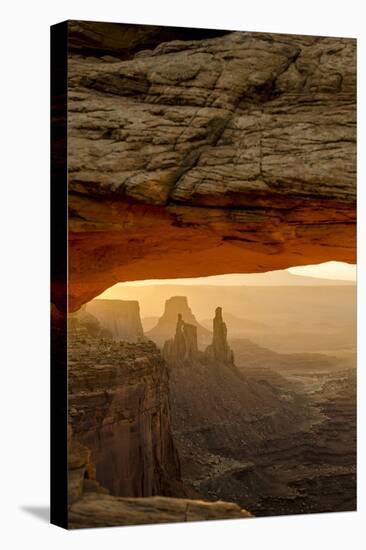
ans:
(183, 347)
(219, 350)
(166, 327)
(179, 304)
(120, 317)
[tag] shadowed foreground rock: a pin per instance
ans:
(90, 505)
(96, 510)
(119, 409)
(229, 154)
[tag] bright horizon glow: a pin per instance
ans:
(338, 271)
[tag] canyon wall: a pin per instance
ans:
(91, 505)
(123, 467)
(119, 409)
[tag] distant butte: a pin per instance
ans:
(166, 326)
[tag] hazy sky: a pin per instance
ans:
(328, 270)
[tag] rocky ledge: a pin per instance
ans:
(97, 510)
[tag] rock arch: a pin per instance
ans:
(234, 153)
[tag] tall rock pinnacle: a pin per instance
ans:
(183, 347)
(219, 350)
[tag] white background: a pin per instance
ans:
(24, 309)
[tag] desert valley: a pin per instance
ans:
(241, 399)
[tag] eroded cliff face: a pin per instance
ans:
(197, 157)
(119, 409)
(90, 504)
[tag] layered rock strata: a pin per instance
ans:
(119, 409)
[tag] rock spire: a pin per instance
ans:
(219, 350)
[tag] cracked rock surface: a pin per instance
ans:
(216, 120)
(243, 140)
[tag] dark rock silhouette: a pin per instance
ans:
(219, 350)
(183, 347)
(113, 42)
(90, 505)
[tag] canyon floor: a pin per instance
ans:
(283, 461)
